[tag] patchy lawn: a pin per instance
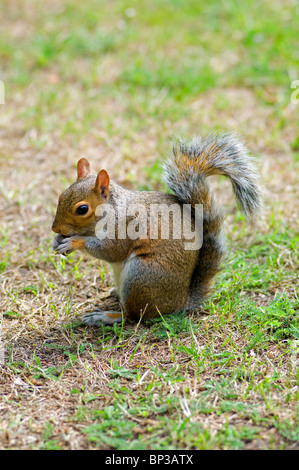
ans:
(116, 82)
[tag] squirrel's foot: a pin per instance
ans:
(100, 316)
(114, 292)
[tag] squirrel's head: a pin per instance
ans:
(76, 208)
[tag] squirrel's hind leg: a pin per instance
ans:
(100, 316)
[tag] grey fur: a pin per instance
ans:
(215, 155)
(224, 154)
(162, 273)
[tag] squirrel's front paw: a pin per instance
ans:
(63, 245)
(66, 245)
(57, 241)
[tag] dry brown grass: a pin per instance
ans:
(29, 192)
(43, 331)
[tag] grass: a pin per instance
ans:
(117, 82)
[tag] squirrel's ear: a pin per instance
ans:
(83, 168)
(102, 184)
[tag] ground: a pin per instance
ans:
(117, 82)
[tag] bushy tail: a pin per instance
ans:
(185, 174)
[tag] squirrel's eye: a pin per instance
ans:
(82, 210)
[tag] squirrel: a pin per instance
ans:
(158, 274)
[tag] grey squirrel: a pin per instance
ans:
(158, 274)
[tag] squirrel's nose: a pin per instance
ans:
(64, 230)
(55, 228)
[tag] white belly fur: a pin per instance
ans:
(119, 271)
